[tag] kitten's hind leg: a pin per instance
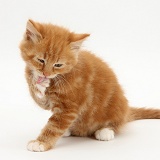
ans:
(104, 134)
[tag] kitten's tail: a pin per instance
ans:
(143, 113)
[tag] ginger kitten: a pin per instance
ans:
(80, 89)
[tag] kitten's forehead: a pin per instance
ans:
(55, 49)
(52, 56)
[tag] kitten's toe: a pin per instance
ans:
(37, 146)
(104, 134)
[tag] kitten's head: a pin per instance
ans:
(50, 50)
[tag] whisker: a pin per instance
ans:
(61, 85)
(57, 84)
(63, 78)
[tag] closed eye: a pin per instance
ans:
(58, 65)
(41, 60)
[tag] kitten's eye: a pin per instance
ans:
(41, 60)
(58, 65)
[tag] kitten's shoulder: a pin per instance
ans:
(91, 58)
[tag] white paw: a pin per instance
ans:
(41, 90)
(104, 134)
(67, 133)
(42, 86)
(40, 95)
(45, 83)
(35, 146)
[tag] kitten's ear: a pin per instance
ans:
(32, 31)
(76, 41)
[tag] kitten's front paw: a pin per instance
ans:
(41, 86)
(38, 146)
(43, 81)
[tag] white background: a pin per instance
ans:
(125, 33)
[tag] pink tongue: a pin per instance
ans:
(40, 79)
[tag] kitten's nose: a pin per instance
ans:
(46, 74)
